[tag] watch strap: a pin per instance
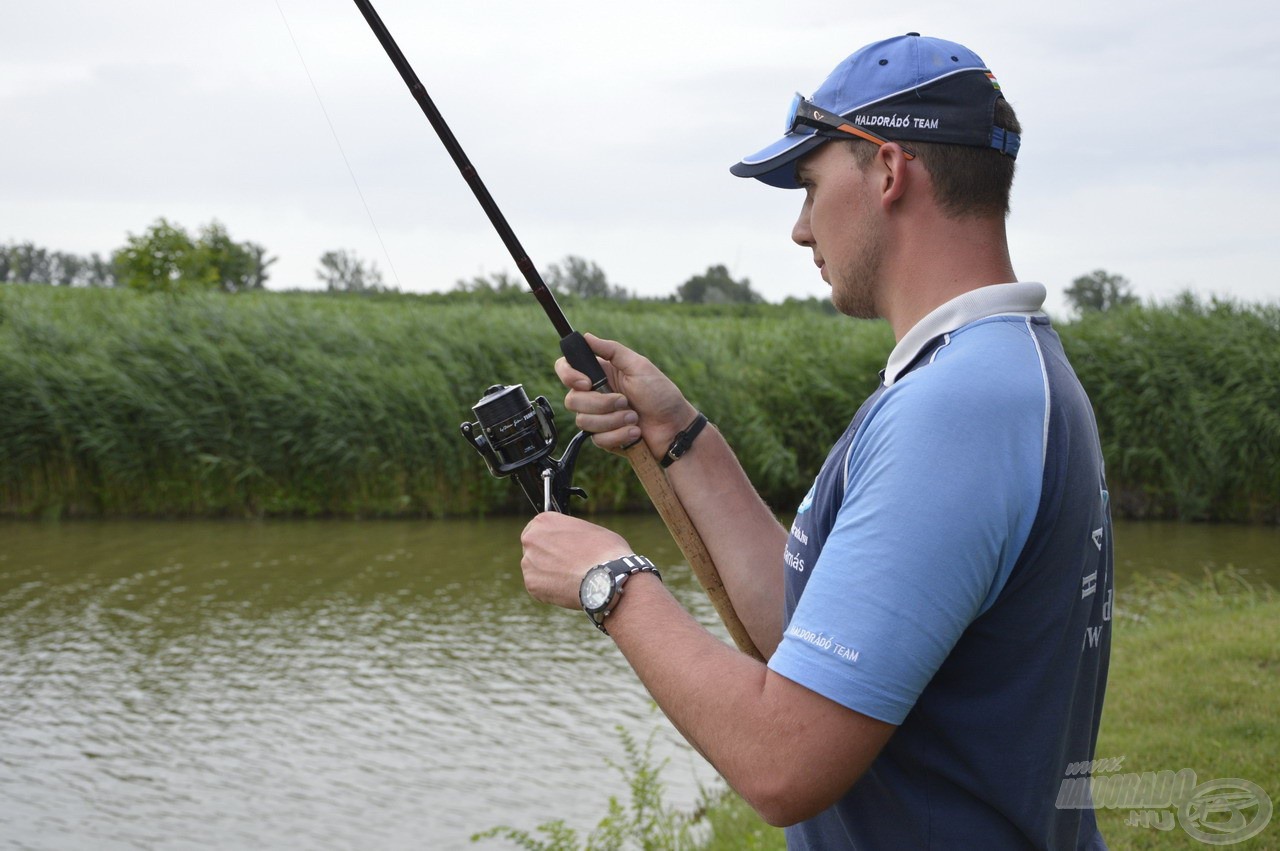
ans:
(620, 569)
(683, 440)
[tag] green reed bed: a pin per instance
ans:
(1188, 404)
(115, 403)
(119, 403)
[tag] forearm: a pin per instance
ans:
(789, 752)
(745, 540)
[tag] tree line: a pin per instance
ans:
(166, 258)
(26, 263)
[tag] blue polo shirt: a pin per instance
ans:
(949, 572)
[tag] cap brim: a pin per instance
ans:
(775, 165)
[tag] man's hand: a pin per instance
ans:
(559, 550)
(645, 403)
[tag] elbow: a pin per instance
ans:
(806, 754)
(781, 803)
(779, 816)
(786, 791)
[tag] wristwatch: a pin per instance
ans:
(602, 585)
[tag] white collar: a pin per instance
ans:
(1024, 299)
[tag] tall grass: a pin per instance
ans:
(114, 402)
(1188, 404)
(119, 403)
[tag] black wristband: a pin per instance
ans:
(683, 441)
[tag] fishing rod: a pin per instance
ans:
(573, 345)
(507, 433)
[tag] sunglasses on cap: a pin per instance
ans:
(807, 113)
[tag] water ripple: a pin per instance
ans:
(298, 686)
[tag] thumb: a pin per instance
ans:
(619, 356)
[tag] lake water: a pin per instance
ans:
(336, 684)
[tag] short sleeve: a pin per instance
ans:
(943, 483)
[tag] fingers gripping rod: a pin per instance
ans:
(575, 348)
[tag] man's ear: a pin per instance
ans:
(894, 175)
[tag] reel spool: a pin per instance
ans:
(516, 437)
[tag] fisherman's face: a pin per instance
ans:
(839, 222)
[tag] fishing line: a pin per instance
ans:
(338, 142)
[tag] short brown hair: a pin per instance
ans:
(967, 181)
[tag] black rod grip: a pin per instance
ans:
(580, 357)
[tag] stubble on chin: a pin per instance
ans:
(853, 289)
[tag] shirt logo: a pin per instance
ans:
(808, 499)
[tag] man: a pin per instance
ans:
(936, 617)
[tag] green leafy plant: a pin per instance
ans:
(647, 822)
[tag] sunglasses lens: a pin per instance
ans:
(793, 112)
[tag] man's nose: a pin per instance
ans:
(800, 233)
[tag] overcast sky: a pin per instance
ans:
(605, 130)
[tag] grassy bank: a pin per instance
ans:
(1194, 683)
(118, 403)
(1195, 679)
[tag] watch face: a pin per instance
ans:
(596, 588)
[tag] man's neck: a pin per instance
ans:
(933, 265)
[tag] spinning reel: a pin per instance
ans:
(516, 437)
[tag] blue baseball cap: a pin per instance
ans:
(908, 88)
